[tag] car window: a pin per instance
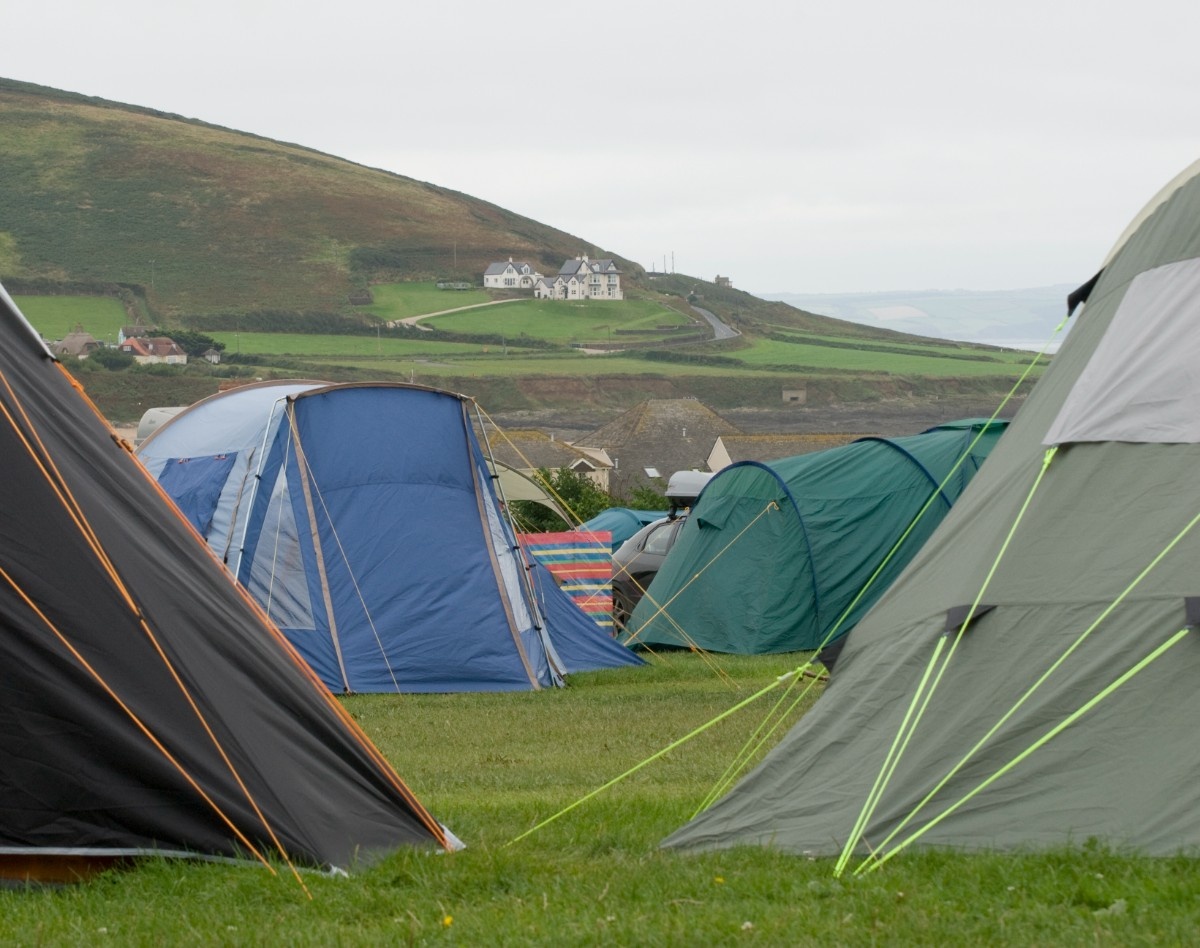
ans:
(660, 540)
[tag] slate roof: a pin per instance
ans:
(495, 269)
(595, 266)
(529, 449)
(772, 447)
(667, 434)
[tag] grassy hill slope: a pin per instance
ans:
(184, 224)
(203, 219)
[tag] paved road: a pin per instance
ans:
(720, 329)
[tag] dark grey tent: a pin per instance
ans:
(147, 705)
(1066, 708)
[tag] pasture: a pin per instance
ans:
(491, 766)
(55, 316)
(547, 338)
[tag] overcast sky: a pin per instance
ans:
(847, 145)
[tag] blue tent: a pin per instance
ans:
(364, 520)
(621, 522)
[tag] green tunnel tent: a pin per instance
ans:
(773, 555)
(1066, 709)
(148, 707)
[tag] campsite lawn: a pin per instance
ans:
(492, 765)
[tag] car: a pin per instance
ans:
(636, 563)
(638, 559)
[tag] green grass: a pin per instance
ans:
(55, 316)
(562, 321)
(937, 362)
(343, 347)
(491, 766)
(401, 300)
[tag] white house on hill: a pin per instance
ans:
(510, 276)
(582, 279)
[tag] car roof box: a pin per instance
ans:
(684, 487)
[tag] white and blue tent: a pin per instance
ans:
(366, 522)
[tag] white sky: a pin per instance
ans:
(846, 145)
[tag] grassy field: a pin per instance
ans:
(492, 766)
(344, 347)
(848, 357)
(401, 300)
(510, 355)
(55, 316)
(562, 321)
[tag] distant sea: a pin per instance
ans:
(1016, 319)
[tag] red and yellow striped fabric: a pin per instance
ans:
(582, 566)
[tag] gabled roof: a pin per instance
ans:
(529, 449)
(76, 343)
(162, 346)
(159, 346)
(670, 434)
(495, 269)
(772, 447)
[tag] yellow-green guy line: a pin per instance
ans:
(1035, 686)
(1044, 739)
(776, 719)
(877, 788)
(653, 757)
(889, 765)
(771, 505)
(787, 676)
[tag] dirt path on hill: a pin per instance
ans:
(416, 320)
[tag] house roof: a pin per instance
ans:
(666, 434)
(772, 447)
(495, 269)
(583, 263)
(528, 449)
(160, 346)
(76, 343)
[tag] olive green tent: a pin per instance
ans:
(1031, 680)
(788, 555)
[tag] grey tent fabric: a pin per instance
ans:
(1055, 718)
(1143, 381)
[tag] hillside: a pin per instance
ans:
(1023, 318)
(269, 245)
(198, 219)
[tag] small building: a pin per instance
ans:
(77, 343)
(510, 276)
(132, 332)
(212, 355)
(723, 281)
(152, 350)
